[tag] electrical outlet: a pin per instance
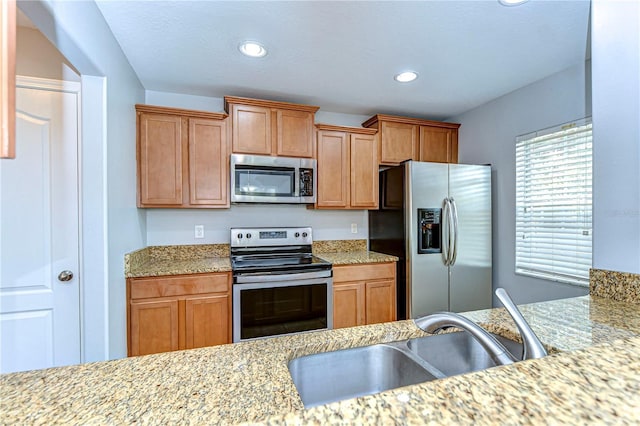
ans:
(199, 231)
(354, 228)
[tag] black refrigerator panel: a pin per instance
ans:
(387, 228)
(429, 231)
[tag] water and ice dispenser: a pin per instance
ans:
(429, 231)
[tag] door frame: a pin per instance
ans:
(94, 254)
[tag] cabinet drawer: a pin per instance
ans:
(370, 271)
(142, 288)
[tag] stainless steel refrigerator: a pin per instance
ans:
(437, 219)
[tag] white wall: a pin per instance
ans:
(166, 227)
(615, 52)
(205, 103)
(487, 135)
(37, 57)
(80, 33)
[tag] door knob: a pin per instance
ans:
(65, 276)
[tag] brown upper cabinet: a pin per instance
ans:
(8, 79)
(405, 138)
(183, 158)
(347, 167)
(271, 128)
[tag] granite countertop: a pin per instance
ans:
(157, 268)
(356, 257)
(596, 378)
(207, 258)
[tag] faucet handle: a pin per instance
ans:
(532, 347)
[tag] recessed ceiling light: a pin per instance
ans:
(512, 2)
(253, 49)
(405, 77)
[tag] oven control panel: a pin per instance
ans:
(259, 237)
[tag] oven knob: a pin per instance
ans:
(239, 236)
(248, 235)
(297, 234)
(304, 235)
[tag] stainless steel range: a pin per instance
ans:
(279, 286)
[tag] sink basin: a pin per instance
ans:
(333, 376)
(458, 353)
(349, 373)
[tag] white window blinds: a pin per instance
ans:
(553, 203)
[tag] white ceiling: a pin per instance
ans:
(342, 55)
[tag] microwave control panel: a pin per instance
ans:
(306, 182)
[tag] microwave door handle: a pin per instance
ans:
(296, 182)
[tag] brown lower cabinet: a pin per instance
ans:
(178, 312)
(364, 294)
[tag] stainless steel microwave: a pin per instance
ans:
(265, 179)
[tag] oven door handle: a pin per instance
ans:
(265, 278)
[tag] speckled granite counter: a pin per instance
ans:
(156, 268)
(355, 257)
(249, 382)
(349, 252)
(157, 261)
(194, 259)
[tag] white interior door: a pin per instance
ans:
(39, 305)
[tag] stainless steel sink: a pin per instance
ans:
(349, 373)
(333, 376)
(458, 353)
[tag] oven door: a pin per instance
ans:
(278, 307)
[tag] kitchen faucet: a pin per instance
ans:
(441, 320)
(532, 347)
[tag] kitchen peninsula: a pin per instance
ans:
(595, 377)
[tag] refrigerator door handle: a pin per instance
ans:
(445, 225)
(448, 214)
(454, 211)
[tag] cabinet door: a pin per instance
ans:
(160, 159)
(154, 326)
(295, 134)
(364, 171)
(207, 320)
(437, 145)
(454, 146)
(398, 142)
(348, 305)
(8, 79)
(380, 301)
(333, 169)
(251, 129)
(208, 163)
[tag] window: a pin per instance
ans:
(553, 203)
